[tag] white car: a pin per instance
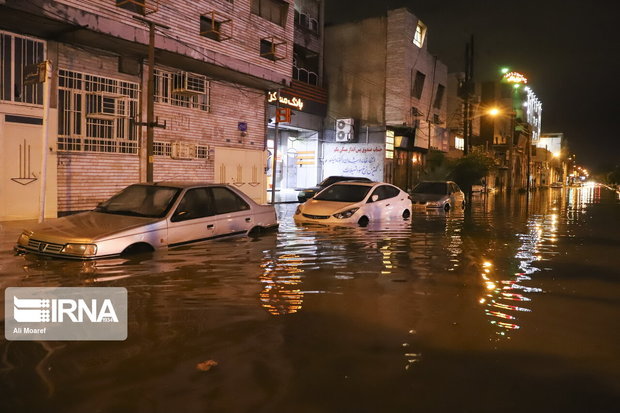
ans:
(355, 203)
(145, 217)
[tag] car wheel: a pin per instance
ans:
(406, 214)
(256, 232)
(363, 221)
(446, 207)
(139, 248)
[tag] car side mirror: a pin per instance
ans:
(374, 198)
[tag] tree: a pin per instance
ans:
(470, 169)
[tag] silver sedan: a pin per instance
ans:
(438, 194)
(146, 217)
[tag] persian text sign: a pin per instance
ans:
(354, 159)
(64, 313)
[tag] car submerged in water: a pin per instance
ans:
(355, 203)
(146, 217)
(438, 194)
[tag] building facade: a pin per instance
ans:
(215, 61)
(298, 163)
(386, 91)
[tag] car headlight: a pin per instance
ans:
(346, 214)
(24, 238)
(84, 250)
(298, 210)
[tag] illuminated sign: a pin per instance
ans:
(514, 77)
(389, 144)
(293, 102)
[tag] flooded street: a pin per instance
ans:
(505, 306)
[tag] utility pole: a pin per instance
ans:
(46, 67)
(275, 149)
(469, 91)
(151, 122)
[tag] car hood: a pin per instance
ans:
(428, 197)
(86, 227)
(314, 207)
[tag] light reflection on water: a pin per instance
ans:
(194, 298)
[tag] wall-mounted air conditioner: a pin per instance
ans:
(344, 130)
(183, 150)
(185, 83)
(106, 106)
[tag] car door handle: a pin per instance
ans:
(210, 226)
(387, 204)
(248, 219)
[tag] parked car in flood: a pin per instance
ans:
(308, 193)
(145, 217)
(438, 194)
(355, 202)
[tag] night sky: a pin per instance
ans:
(567, 49)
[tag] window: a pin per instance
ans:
(384, 192)
(191, 91)
(439, 96)
(162, 148)
(417, 86)
(96, 113)
(226, 201)
(17, 52)
(459, 143)
(273, 10)
(420, 34)
(196, 203)
(215, 26)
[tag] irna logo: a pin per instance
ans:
(29, 310)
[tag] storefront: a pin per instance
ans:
(298, 154)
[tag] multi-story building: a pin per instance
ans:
(215, 61)
(510, 131)
(298, 152)
(387, 93)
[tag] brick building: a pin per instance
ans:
(383, 80)
(215, 62)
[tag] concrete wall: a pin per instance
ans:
(355, 60)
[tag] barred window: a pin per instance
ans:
(17, 52)
(202, 152)
(162, 148)
(96, 113)
(183, 89)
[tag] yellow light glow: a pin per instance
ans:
(556, 154)
(494, 111)
(487, 264)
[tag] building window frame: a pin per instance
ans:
(439, 94)
(420, 34)
(17, 52)
(97, 113)
(275, 11)
(165, 82)
(417, 83)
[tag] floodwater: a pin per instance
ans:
(503, 307)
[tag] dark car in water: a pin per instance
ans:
(306, 194)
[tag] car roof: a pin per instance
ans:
(181, 184)
(359, 183)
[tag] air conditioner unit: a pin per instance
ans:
(344, 130)
(183, 150)
(106, 106)
(188, 84)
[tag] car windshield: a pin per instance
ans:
(141, 201)
(344, 193)
(431, 188)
